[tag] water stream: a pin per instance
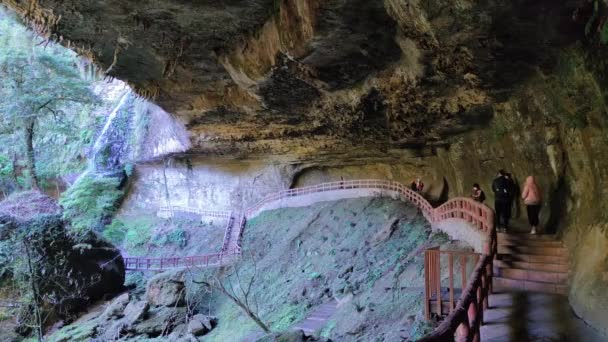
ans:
(103, 136)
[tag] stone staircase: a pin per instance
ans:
(535, 263)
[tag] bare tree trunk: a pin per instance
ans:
(14, 175)
(31, 158)
(240, 303)
(35, 294)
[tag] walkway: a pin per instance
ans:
(527, 316)
(530, 300)
(466, 209)
(317, 319)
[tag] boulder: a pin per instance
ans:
(117, 307)
(200, 324)
(166, 289)
(196, 328)
(289, 336)
(136, 311)
(161, 320)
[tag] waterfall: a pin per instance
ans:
(103, 136)
(110, 151)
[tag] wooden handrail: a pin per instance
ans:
(466, 209)
(465, 319)
(201, 212)
(464, 323)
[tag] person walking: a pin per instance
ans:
(512, 194)
(417, 185)
(532, 198)
(501, 186)
(477, 194)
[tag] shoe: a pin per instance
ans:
(533, 232)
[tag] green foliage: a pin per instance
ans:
(336, 250)
(6, 166)
(141, 123)
(326, 331)
(289, 315)
(176, 237)
(77, 332)
(90, 201)
(419, 329)
(132, 232)
(45, 100)
(604, 33)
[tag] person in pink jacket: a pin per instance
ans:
(532, 197)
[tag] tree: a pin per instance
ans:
(237, 283)
(35, 81)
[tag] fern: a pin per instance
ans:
(90, 201)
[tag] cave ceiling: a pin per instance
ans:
(308, 77)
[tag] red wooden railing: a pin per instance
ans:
(370, 184)
(433, 282)
(203, 213)
(466, 316)
(464, 323)
(226, 253)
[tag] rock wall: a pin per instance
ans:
(224, 184)
(554, 128)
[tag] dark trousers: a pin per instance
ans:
(533, 211)
(503, 212)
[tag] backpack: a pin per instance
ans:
(502, 188)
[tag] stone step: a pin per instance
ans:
(502, 284)
(532, 266)
(509, 241)
(533, 275)
(527, 236)
(534, 250)
(534, 258)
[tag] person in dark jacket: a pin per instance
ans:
(512, 191)
(477, 194)
(502, 188)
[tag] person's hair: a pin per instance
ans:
(502, 172)
(475, 185)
